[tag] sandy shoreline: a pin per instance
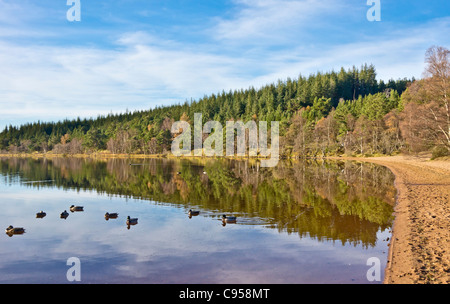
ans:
(420, 246)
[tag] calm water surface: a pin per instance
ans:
(301, 222)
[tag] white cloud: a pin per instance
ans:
(396, 54)
(139, 70)
(41, 81)
(273, 21)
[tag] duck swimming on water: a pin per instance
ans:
(111, 215)
(41, 214)
(192, 213)
(12, 230)
(228, 219)
(76, 208)
(64, 214)
(131, 221)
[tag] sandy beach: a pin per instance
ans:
(420, 245)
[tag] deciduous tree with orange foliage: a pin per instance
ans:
(426, 116)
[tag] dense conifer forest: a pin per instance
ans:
(346, 112)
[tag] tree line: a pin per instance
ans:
(346, 112)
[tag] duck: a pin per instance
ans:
(228, 219)
(111, 215)
(192, 213)
(41, 214)
(13, 230)
(76, 208)
(64, 214)
(132, 221)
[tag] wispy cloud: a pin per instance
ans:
(273, 21)
(50, 77)
(46, 82)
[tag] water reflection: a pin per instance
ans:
(290, 222)
(327, 200)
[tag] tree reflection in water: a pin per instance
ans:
(325, 200)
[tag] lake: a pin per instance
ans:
(300, 222)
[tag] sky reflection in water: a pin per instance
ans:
(288, 231)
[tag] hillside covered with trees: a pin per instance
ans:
(346, 112)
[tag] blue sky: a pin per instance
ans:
(136, 54)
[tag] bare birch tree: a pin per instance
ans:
(438, 85)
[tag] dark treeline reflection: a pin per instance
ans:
(325, 200)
